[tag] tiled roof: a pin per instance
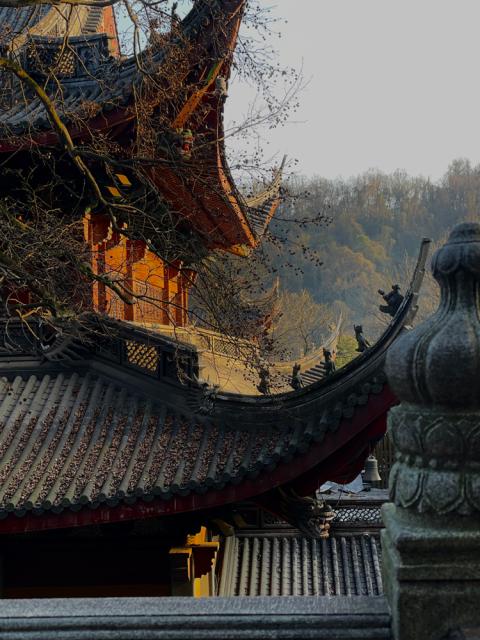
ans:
(77, 90)
(48, 21)
(14, 21)
(68, 440)
(109, 422)
(109, 82)
(71, 440)
(93, 83)
(276, 565)
(262, 205)
(260, 216)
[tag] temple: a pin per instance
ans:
(114, 440)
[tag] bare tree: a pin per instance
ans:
(302, 324)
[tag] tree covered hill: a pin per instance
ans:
(376, 223)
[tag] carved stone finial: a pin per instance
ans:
(438, 363)
(435, 371)
(431, 539)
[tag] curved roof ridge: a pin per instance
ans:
(237, 446)
(265, 297)
(364, 361)
(269, 192)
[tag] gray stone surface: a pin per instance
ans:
(463, 634)
(431, 544)
(438, 363)
(336, 618)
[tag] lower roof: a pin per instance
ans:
(295, 565)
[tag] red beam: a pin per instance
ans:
(346, 463)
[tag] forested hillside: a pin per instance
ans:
(373, 225)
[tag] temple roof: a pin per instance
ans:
(85, 81)
(262, 204)
(74, 440)
(276, 564)
(47, 24)
(16, 21)
(114, 79)
(118, 428)
(45, 20)
(97, 93)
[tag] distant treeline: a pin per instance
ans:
(370, 235)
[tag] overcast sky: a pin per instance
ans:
(392, 84)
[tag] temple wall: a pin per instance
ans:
(158, 293)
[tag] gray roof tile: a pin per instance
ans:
(90, 429)
(68, 440)
(294, 565)
(71, 439)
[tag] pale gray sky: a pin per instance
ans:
(393, 84)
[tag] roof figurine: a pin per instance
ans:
(393, 299)
(329, 363)
(362, 343)
(296, 381)
(264, 384)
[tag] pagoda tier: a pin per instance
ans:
(114, 426)
(188, 181)
(190, 172)
(19, 25)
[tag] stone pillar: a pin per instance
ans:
(431, 544)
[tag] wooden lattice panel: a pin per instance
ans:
(142, 356)
(51, 58)
(149, 307)
(225, 347)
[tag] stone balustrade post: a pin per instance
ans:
(431, 543)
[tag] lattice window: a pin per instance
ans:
(142, 356)
(225, 347)
(150, 309)
(115, 305)
(44, 59)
